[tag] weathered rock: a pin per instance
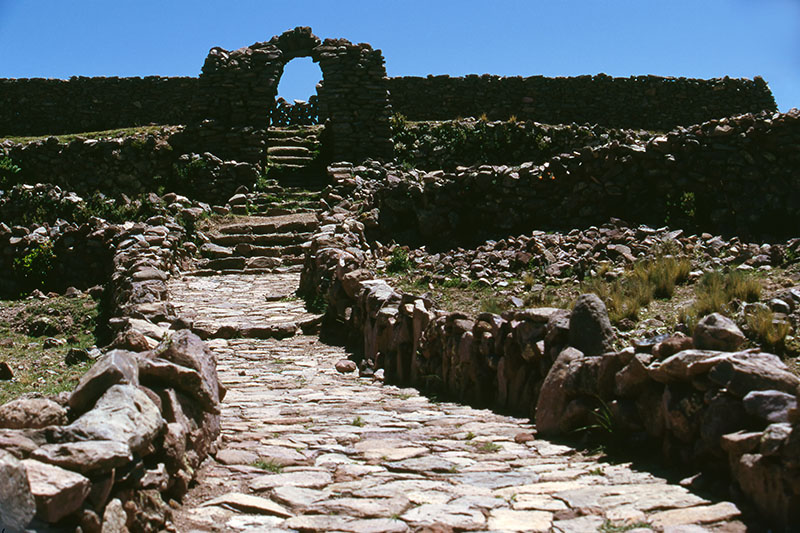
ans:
(451, 516)
(345, 366)
(677, 342)
(187, 380)
(17, 503)
(717, 332)
(5, 372)
(124, 414)
(683, 366)
(18, 442)
(510, 520)
(695, 515)
(58, 492)
(232, 456)
(131, 340)
(589, 327)
(117, 366)
(31, 413)
(90, 456)
(114, 518)
(76, 356)
(743, 372)
(187, 349)
(770, 405)
(553, 399)
(249, 504)
(312, 480)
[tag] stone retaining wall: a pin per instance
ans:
(130, 436)
(39, 106)
(726, 412)
(735, 175)
(647, 102)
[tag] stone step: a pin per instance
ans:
(250, 250)
(290, 160)
(285, 269)
(244, 264)
(279, 224)
(290, 151)
(267, 239)
(289, 131)
(307, 142)
(275, 211)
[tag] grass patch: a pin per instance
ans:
(487, 447)
(609, 527)
(268, 465)
(714, 293)
(358, 422)
(37, 369)
(104, 134)
(768, 332)
(649, 279)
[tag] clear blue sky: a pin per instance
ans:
(693, 38)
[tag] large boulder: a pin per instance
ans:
(58, 492)
(589, 327)
(186, 349)
(717, 332)
(31, 413)
(91, 456)
(115, 367)
(123, 414)
(187, 380)
(17, 504)
(553, 398)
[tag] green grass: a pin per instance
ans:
(610, 527)
(269, 465)
(38, 369)
(104, 134)
(487, 447)
(358, 422)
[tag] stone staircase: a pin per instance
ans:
(292, 153)
(256, 244)
(274, 199)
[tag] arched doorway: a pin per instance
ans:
(297, 100)
(236, 87)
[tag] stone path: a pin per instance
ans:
(306, 448)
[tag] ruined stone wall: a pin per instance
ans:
(729, 412)
(51, 106)
(648, 102)
(731, 176)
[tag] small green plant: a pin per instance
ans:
(492, 304)
(487, 447)
(316, 302)
(398, 261)
(596, 472)
(610, 527)
(8, 171)
(358, 422)
(470, 436)
(268, 465)
(34, 268)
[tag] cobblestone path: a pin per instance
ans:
(306, 448)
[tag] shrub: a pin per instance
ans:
(8, 171)
(398, 261)
(33, 269)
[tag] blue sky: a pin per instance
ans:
(693, 38)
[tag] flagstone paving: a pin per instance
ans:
(306, 448)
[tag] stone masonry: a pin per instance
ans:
(307, 448)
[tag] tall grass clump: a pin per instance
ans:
(649, 279)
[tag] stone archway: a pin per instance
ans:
(238, 89)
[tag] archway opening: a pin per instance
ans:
(296, 103)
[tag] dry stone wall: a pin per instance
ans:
(238, 88)
(110, 454)
(734, 175)
(699, 402)
(50, 106)
(647, 102)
